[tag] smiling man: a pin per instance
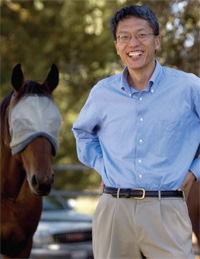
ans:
(140, 130)
(136, 43)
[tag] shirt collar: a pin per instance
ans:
(124, 83)
(152, 82)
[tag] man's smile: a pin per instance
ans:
(135, 54)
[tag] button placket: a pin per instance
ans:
(141, 119)
(140, 136)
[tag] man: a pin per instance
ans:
(140, 131)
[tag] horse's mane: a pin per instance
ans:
(4, 120)
(31, 87)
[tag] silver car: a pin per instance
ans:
(62, 232)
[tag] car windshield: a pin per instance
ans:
(52, 203)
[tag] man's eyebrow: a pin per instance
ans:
(139, 30)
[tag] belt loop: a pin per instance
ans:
(118, 191)
(183, 195)
(159, 195)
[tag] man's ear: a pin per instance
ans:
(157, 42)
(116, 46)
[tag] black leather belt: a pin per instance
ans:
(140, 193)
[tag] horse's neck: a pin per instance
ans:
(12, 175)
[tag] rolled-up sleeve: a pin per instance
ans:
(195, 168)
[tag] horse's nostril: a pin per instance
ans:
(53, 177)
(34, 181)
(42, 184)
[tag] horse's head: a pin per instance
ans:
(34, 124)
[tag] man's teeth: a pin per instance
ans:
(135, 54)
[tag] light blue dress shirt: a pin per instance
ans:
(144, 139)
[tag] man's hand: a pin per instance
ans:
(102, 184)
(187, 184)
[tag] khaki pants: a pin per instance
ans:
(130, 228)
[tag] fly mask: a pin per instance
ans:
(34, 115)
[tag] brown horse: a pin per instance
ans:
(30, 124)
(193, 203)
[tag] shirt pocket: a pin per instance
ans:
(168, 136)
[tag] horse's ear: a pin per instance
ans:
(52, 79)
(17, 78)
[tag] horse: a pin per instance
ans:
(193, 203)
(30, 125)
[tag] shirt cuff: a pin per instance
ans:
(195, 168)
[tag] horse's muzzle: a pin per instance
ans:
(41, 187)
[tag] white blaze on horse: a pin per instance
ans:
(30, 125)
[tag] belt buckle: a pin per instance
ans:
(143, 194)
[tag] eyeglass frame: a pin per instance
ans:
(136, 37)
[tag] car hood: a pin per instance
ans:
(65, 215)
(62, 227)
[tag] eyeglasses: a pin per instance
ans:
(126, 37)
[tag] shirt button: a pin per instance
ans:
(140, 98)
(140, 140)
(140, 176)
(130, 95)
(152, 91)
(140, 161)
(141, 119)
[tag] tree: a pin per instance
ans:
(76, 36)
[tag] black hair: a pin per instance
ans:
(142, 12)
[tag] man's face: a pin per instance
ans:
(137, 53)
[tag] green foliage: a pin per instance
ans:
(76, 36)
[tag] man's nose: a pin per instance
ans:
(134, 41)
